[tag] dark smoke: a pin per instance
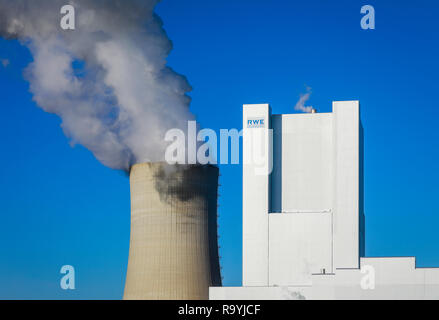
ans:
(184, 182)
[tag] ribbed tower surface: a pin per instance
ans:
(173, 243)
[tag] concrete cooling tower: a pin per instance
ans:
(173, 245)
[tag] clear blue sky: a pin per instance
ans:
(59, 205)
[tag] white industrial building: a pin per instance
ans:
(303, 219)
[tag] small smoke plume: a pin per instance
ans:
(108, 79)
(300, 105)
(4, 62)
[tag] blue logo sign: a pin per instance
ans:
(256, 123)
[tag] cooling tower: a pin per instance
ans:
(173, 244)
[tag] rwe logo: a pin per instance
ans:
(256, 123)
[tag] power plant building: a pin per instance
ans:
(303, 214)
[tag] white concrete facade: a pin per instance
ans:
(256, 194)
(302, 225)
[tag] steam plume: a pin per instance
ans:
(107, 79)
(300, 105)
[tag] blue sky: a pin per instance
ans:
(59, 205)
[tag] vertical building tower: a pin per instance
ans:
(173, 244)
(301, 216)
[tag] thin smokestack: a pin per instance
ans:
(107, 79)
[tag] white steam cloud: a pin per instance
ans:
(301, 104)
(107, 79)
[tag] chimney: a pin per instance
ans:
(173, 244)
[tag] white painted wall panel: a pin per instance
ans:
(396, 278)
(303, 157)
(300, 245)
(256, 195)
(259, 293)
(346, 195)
